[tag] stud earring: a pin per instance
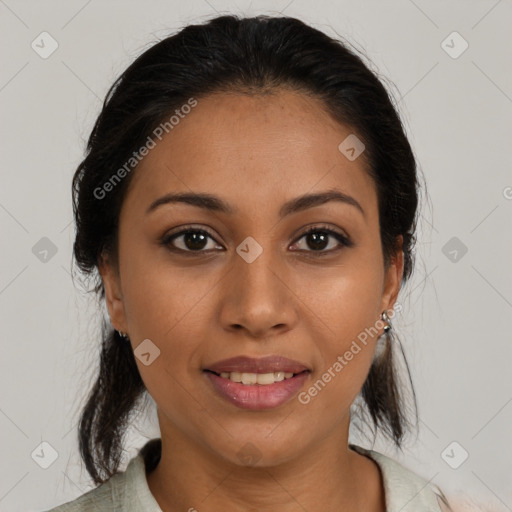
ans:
(386, 319)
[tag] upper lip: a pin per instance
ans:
(268, 364)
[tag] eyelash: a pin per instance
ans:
(344, 241)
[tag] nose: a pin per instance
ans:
(258, 297)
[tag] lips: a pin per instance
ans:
(268, 364)
(257, 397)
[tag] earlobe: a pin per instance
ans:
(113, 294)
(393, 278)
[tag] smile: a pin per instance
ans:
(257, 391)
(262, 379)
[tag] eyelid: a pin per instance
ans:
(324, 228)
(168, 237)
(343, 239)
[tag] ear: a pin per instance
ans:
(393, 277)
(113, 293)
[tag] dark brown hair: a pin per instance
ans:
(253, 56)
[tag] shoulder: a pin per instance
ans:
(405, 490)
(104, 497)
(124, 491)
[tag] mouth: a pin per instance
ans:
(257, 383)
(256, 391)
(262, 365)
(257, 379)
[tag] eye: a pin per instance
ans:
(189, 240)
(195, 240)
(317, 237)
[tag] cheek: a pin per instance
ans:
(349, 310)
(167, 309)
(336, 383)
(347, 298)
(159, 299)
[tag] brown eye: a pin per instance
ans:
(190, 240)
(319, 238)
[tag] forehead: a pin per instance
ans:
(253, 149)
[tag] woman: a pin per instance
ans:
(249, 200)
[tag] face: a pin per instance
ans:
(249, 281)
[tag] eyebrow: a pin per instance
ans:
(216, 204)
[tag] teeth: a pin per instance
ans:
(256, 378)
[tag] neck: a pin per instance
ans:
(328, 477)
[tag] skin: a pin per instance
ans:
(255, 152)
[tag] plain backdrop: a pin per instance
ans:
(451, 63)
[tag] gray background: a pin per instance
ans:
(455, 325)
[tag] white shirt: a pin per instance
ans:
(404, 490)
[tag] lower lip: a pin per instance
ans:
(258, 396)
